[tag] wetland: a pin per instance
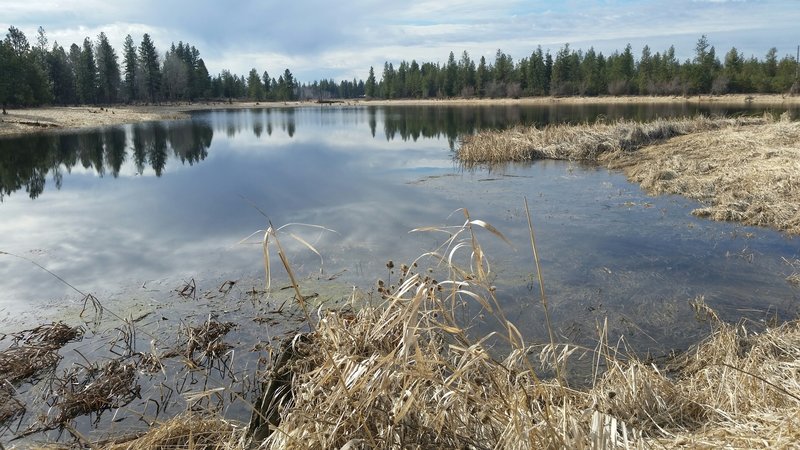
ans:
(159, 222)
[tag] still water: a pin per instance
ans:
(134, 214)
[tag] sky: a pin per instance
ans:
(327, 39)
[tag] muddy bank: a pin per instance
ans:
(743, 170)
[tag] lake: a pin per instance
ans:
(135, 214)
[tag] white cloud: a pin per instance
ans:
(319, 39)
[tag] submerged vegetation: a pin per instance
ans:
(405, 372)
(742, 169)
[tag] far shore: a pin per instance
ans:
(57, 118)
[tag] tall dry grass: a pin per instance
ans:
(404, 373)
(584, 142)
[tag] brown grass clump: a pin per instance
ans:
(55, 335)
(587, 142)
(189, 431)
(743, 169)
(397, 377)
(38, 352)
(19, 363)
(10, 406)
(748, 174)
(94, 390)
(207, 339)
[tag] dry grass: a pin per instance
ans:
(406, 374)
(188, 431)
(20, 363)
(93, 390)
(10, 406)
(743, 169)
(587, 142)
(39, 350)
(398, 376)
(748, 174)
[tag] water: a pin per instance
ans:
(133, 213)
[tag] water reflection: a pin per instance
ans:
(410, 123)
(26, 162)
(372, 174)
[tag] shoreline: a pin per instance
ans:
(60, 118)
(740, 170)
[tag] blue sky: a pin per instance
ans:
(341, 40)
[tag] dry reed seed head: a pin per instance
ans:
(390, 264)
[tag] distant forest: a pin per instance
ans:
(93, 73)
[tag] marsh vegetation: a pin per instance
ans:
(452, 344)
(742, 169)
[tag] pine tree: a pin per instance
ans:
(370, 87)
(481, 77)
(61, 77)
(290, 85)
(86, 73)
(150, 68)
(130, 69)
(107, 70)
(451, 76)
(255, 90)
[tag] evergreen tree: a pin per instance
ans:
(593, 74)
(130, 65)
(107, 70)
(414, 80)
(86, 73)
(61, 77)
(267, 84)
(466, 76)
(704, 69)
(149, 69)
(565, 79)
(371, 86)
(387, 81)
(645, 78)
(503, 74)
(451, 76)
(290, 85)
(202, 80)
(481, 77)
(732, 70)
(255, 90)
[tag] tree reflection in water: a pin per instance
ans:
(26, 161)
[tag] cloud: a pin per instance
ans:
(320, 39)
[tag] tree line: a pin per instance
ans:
(575, 72)
(93, 73)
